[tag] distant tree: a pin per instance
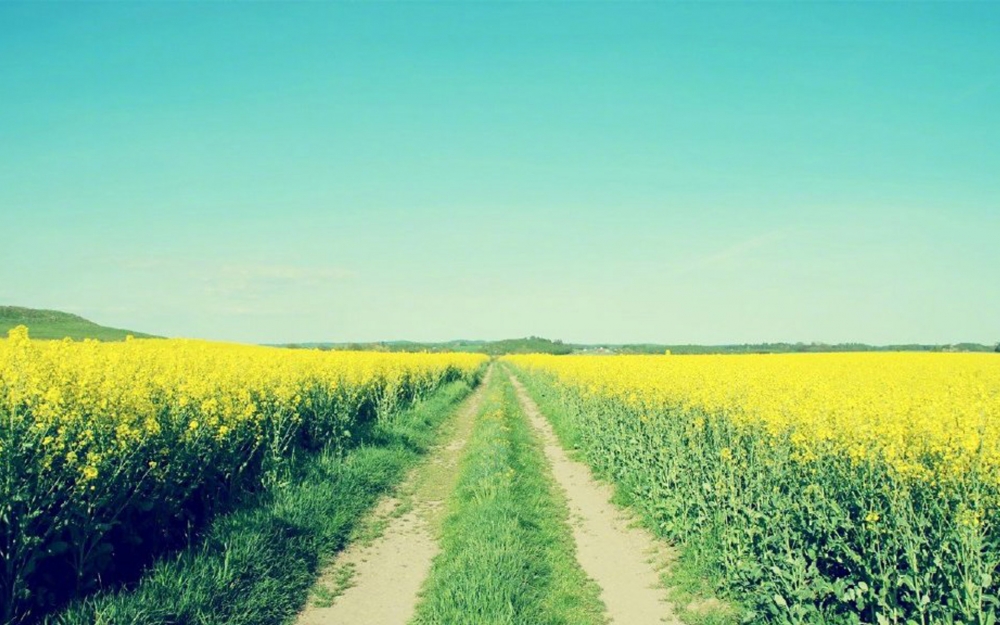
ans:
(997, 348)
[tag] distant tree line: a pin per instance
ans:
(540, 345)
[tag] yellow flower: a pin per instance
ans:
(928, 417)
(969, 519)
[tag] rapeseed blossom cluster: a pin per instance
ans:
(930, 416)
(98, 438)
(825, 488)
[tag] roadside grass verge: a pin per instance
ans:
(257, 564)
(693, 585)
(508, 555)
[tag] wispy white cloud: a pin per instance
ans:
(183, 286)
(149, 263)
(976, 89)
(257, 283)
(738, 251)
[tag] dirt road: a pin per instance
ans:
(376, 580)
(624, 560)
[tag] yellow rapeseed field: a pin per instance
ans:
(131, 439)
(928, 415)
(823, 488)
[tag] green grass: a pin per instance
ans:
(342, 578)
(257, 564)
(52, 324)
(693, 585)
(508, 555)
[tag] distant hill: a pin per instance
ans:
(52, 324)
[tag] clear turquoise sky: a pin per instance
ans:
(596, 172)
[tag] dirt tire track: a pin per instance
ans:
(389, 570)
(624, 560)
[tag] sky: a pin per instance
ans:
(689, 172)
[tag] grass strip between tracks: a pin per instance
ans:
(507, 550)
(257, 564)
(693, 586)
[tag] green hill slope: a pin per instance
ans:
(52, 324)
